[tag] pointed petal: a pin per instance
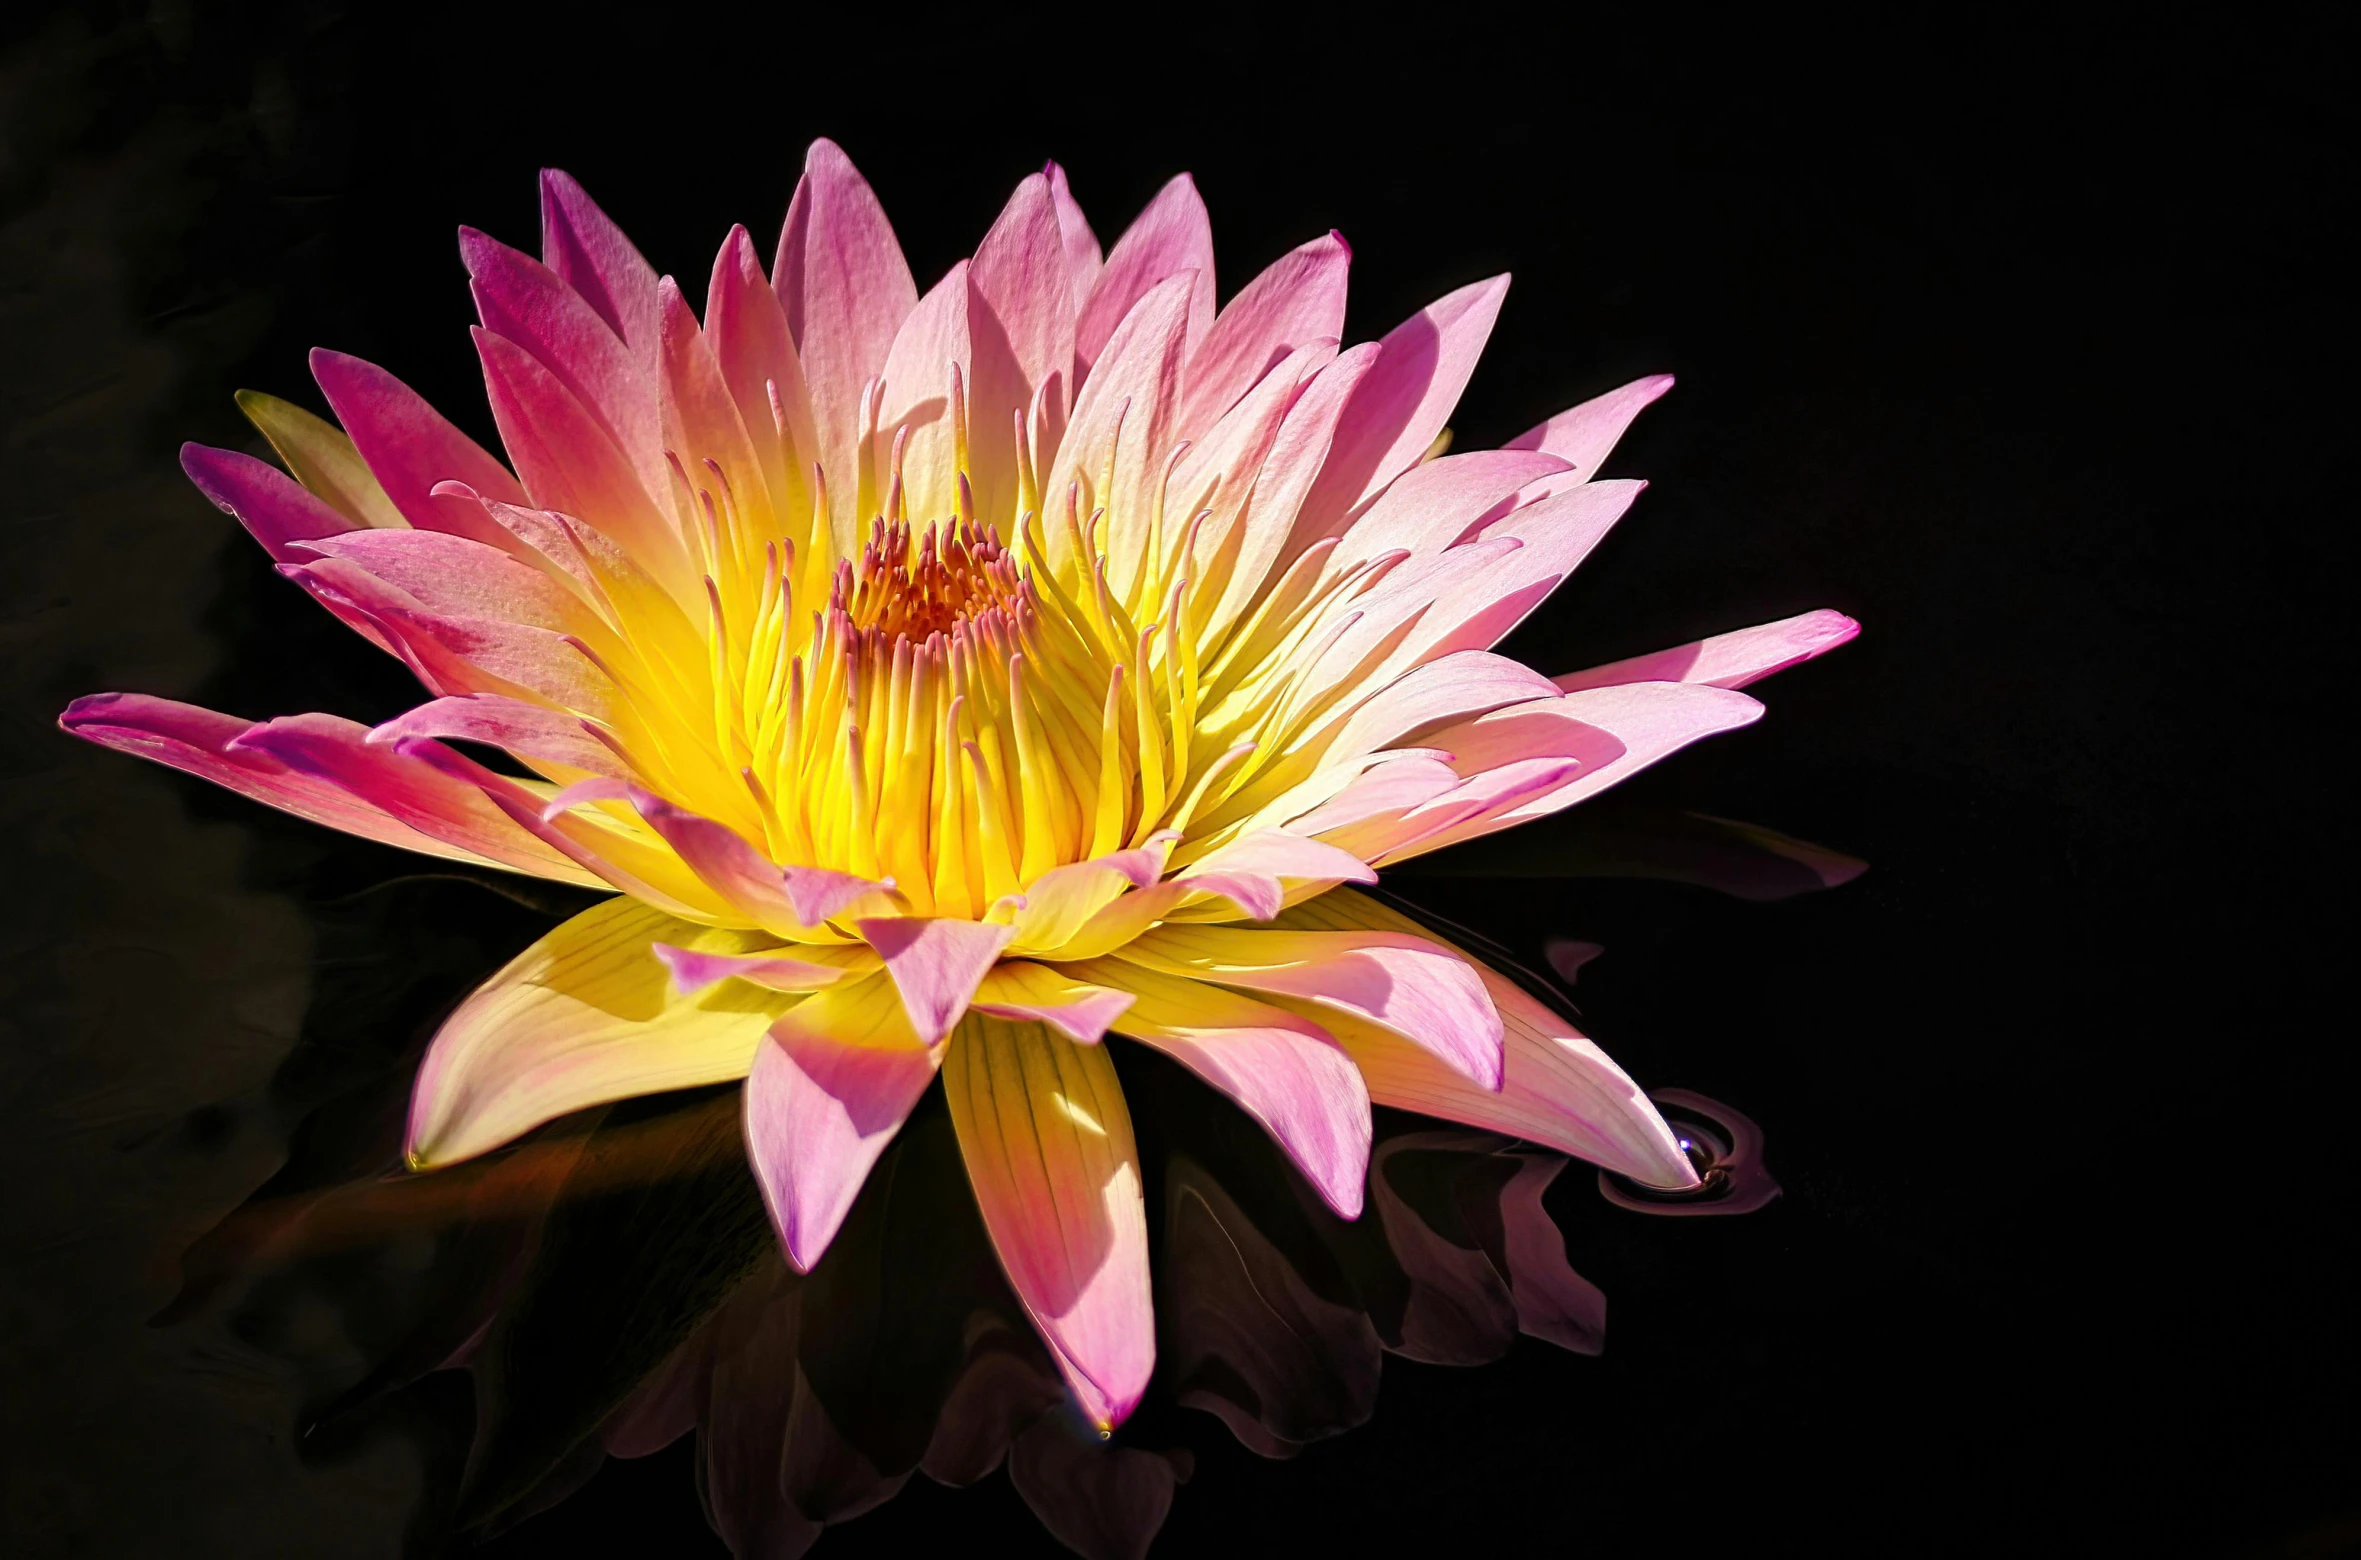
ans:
(936, 963)
(819, 894)
(410, 447)
(1422, 366)
(1557, 1088)
(322, 459)
(584, 248)
(1081, 244)
(1728, 660)
(829, 1090)
(1023, 327)
(522, 300)
(1125, 411)
(271, 505)
(1171, 236)
(570, 462)
(1042, 994)
(932, 344)
(1058, 902)
(1610, 734)
(846, 288)
(222, 749)
(1584, 435)
(1297, 300)
(1047, 1140)
(1281, 1068)
(584, 1016)
(1405, 983)
(751, 342)
(701, 421)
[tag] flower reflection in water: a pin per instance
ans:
(611, 1283)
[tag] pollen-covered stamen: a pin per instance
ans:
(925, 582)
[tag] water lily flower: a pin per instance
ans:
(948, 681)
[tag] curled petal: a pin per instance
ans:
(1048, 1145)
(586, 1015)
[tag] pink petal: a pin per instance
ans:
(1023, 329)
(530, 731)
(1557, 1087)
(1237, 477)
(1281, 1068)
(525, 302)
(1251, 870)
(1584, 435)
(455, 577)
(1423, 364)
(1728, 660)
(820, 894)
(584, 1016)
(936, 963)
(640, 864)
(1612, 733)
(1038, 993)
(584, 248)
(215, 747)
(723, 858)
(1048, 1145)
(748, 332)
(270, 504)
(1430, 507)
(1297, 300)
(1136, 393)
(1417, 988)
(844, 284)
(410, 447)
(1280, 515)
(692, 971)
(932, 346)
(701, 421)
(1081, 244)
(434, 801)
(1170, 237)
(828, 1091)
(570, 463)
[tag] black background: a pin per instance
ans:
(2025, 346)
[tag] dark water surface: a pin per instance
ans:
(2014, 348)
